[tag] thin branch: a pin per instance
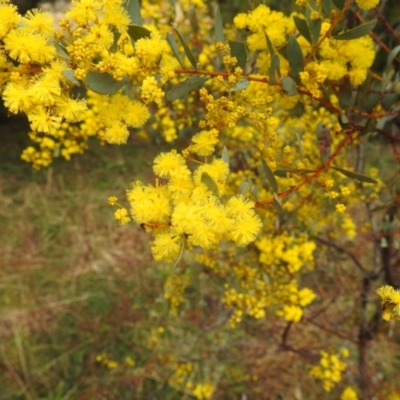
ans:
(344, 251)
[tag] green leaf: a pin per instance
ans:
(303, 28)
(219, 26)
(254, 192)
(244, 188)
(241, 85)
(392, 55)
(174, 46)
(269, 45)
(209, 182)
(69, 74)
(386, 78)
(133, 8)
(274, 67)
(270, 176)
(354, 175)
(225, 155)
(289, 86)
(137, 32)
(183, 88)
(369, 126)
(181, 252)
(238, 50)
(295, 58)
(188, 52)
(60, 50)
(283, 173)
(389, 99)
(277, 204)
(326, 8)
(356, 32)
(114, 46)
(315, 29)
(345, 92)
(339, 3)
(102, 83)
(324, 141)
(300, 144)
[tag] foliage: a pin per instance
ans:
(283, 116)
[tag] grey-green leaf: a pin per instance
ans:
(283, 173)
(303, 28)
(326, 8)
(345, 93)
(133, 8)
(356, 32)
(238, 50)
(270, 176)
(354, 175)
(188, 52)
(277, 204)
(392, 55)
(295, 58)
(209, 182)
(241, 85)
(114, 46)
(183, 88)
(339, 3)
(102, 83)
(274, 67)
(219, 26)
(181, 252)
(254, 192)
(315, 29)
(137, 32)
(69, 74)
(60, 50)
(225, 155)
(243, 188)
(174, 46)
(269, 45)
(289, 86)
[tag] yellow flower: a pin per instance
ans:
(245, 229)
(122, 216)
(349, 394)
(39, 22)
(112, 200)
(9, 18)
(204, 142)
(166, 163)
(25, 47)
(136, 114)
(117, 133)
(367, 4)
(41, 121)
(167, 246)
(70, 109)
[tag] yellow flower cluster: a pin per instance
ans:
(174, 288)
(390, 300)
(337, 58)
(330, 368)
(285, 253)
(263, 21)
(349, 394)
(203, 391)
(187, 206)
(109, 363)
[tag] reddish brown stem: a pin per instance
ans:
(309, 178)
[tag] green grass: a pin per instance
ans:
(73, 284)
